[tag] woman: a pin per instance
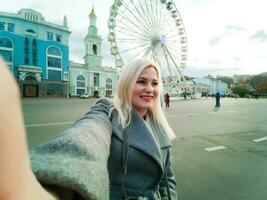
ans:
(118, 150)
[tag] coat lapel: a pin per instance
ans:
(141, 138)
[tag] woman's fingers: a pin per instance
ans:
(14, 159)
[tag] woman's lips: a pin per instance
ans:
(147, 98)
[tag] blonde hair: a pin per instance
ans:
(122, 98)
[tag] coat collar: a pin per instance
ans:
(141, 138)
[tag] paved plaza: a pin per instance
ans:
(217, 155)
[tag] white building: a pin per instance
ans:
(91, 77)
(214, 85)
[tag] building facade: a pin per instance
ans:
(91, 77)
(36, 52)
(214, 85)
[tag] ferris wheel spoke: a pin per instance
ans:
(149, 15)
(129, 32)
(160, 17)
(128, 25)
(135, 41)
(130, 36)
(142, 16)
(143, 27)
(172, 36)
(173, 46)
(133, 48)
(146, 16)
(172, 30)
(167, 23)
(175, 64)
(158, 10)
(164, 17)
(175, 54)
(148, 51)
(153, 12)
(168, 64)
(137, 54)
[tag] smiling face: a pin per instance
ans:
(145, 91)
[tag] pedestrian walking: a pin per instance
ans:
(167, 100)
(217, 99)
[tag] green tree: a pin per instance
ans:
(241, 90)
(262, 87)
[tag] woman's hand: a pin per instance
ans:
(17, 181)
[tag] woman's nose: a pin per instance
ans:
(149, 87)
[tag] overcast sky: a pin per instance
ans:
(225, 37)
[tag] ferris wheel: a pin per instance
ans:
(152, 29)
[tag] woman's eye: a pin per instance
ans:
(141, 81)
(155, 83)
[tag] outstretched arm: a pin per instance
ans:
(17, 180)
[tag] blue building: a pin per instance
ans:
(36, 51)
(214, 85)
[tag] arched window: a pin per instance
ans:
(6, 50)
(80, 85)
(95, 49)
(109, 83)
(54, 51)
(54, 63)
(30, 31)
(96, 79)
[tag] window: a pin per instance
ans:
(2, 26)
(10, 27)
(80, 91)
(54, 75)
(26, 51)
(4, 42)
(96, 79)
(80, 85)
(54, 58)
(30, 31)
(50, 36)
(109, 87)
(80, 81)
(54, 51)
(95, 49)
(58, 38)
(54, 63)
(6, 50)
(7, 55)
(109, 83)
(34, 52)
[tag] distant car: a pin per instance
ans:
(84, 96)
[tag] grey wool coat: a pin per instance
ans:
(85, 161)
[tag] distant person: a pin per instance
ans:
(184, 95)
(118, 150)
(256, 95)
(217, 99)
(167, 100)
